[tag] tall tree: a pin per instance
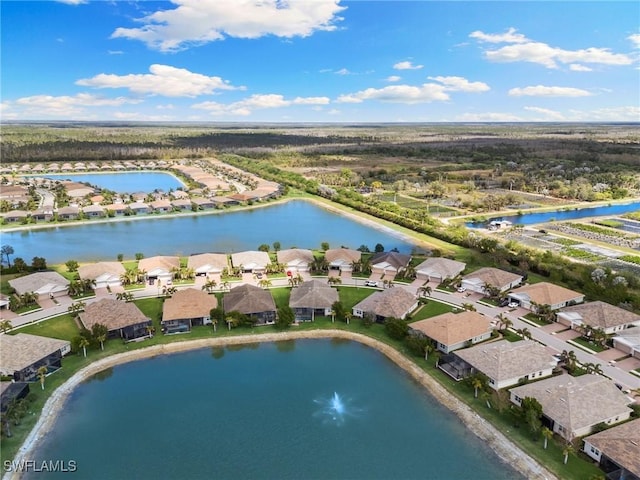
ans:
(99, 332)
(547, 434)
(42, 374)
(7, 250)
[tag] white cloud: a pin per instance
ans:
(635, 39)
(510, 36)
(543, 91)
(141, 117)
(611, 114)
(406, 65)
(64, 106)
(408, 94)
(163, 80)
(115, 52)
(547, 114)
(489, 117)
(73, 2)
(259, 101)
(343, 71)
(196, 22)
(576, 67)
(461, 84)
(394, 78)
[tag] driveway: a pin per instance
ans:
(554, 327)
(611, 354)
(629, 364)
(568, 335)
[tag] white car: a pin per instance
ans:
(513, 305)
(370, 283)
(462, 289)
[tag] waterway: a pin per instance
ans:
(561, 215)
(123, 182)
(294, 224)
(289, 410)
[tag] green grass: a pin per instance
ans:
(590, 345)
(63, 327)
(430, 309)
(350, 296)
(281, 296)
(27, 308)
(511, 336)
(532, 317)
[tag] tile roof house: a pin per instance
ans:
(617, 450)
(68, 213)
(494, 277)
(122, 319)
(94, 211)
(342, 259)
(452, 331)
(545, 293)
(252, 301)
(312, 298)
(295, 259)
(574, 405)
(159, 267)
(628, 341)
(42, 283)
(22, 355)
(187, 308)
(598, 314)
(105, 274)
(389, 262)
(15, 216)
(208, 263)
(395, 302)
(251, 261)
(161, 205)
(439, 269)
(506, 363)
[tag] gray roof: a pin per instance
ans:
(113, 314)
(503, 360)
(162, 262)
(545, 293)
(313, 294)
(42, 282)
(393, 302)
(22, 350)
(295, 254)
(601, 314)
(248, 299)
(620, 444)
(576, 402)
(396, 260)
(440, 267)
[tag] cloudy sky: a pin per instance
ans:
(320, 61)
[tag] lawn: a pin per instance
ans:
(589, 344)
(63, 327)
(430, 309)
(350, 296)
(281, 296)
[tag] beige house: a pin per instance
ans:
(574, 405)
(438, 269)
(295, 259)
(208, 263)
(492, 277)
(389, 263)
(122, 319)
(160, 267)
(21, 355)
(253, 301)
(15, 216)
(628, 341)
(545, 293)
(94, 211)
(187, 308)
(452, 331)
(105, 274)
(342, 259)
(598, 314)
(395, 302)
(312, 298)
(617, 450)
(505, 363)
(251, 261)
(50, 284)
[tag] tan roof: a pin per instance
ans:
(188, 303)
(165, 263)
(453, 328)
(94, 270)
(113, 314)
(215, 260)
(344, 254)
(601, 314)
(493, 276)
(44, 281)
(22, 350)
(393, 302)
(545, 293)
(313, 294)
(294, 254)
(440, 267)
(621, 444)
(248, 299)
(576, 402)
(250, 258)
(504, 360)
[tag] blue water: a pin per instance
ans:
(294, 224)
(560, 215)
(259, 412)
(125, 182)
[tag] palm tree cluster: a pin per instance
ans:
(25, 300)
(80, 287)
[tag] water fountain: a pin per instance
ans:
(335, 409)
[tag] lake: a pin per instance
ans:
(304, 409)
(123, 182)
(294, 224)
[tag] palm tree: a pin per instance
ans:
(524, 333)
(333, 315)
(264, 283)
(428, 348)
(568, 449)
(425, 291)
(210, 285)
(84, 343)
(476, 383)
(547, 434)
(76, 307)
(469, 307)
(504, 322)
(5, 326)
(347, 317)
(42, 374)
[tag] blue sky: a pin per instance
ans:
(320, 61)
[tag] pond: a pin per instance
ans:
(124, 182)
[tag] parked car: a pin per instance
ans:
(504, 303)
(370, 283)
(462, 289)
(513, 305)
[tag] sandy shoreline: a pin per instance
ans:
(503, 447)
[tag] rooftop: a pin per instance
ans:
(493, 276)
(453, 328)
(600, 314)
(248, 299)
(113, 314)
(393, 302)
(313, 294)
(621, 444)
(22, 350)
(545, 293)
(188, 303)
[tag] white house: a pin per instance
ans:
(617, 450)
(493, 277)
(599, 314)
(545, 293)
(105, 274)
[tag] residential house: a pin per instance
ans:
(572, 406)
(94, 211)
(617, 450)
(395, 302)
(505, 363)
(187, 308)
(544, 293)
(14, 194)
(162, 206)
(312, 298)
(438, 269)
(139, 207)
(253, 301)
(159, 268)
(203, 203)
(628, 341)
(598, 314)
(122, 319)
(15, 216)
(389, 263)
(68, 213)
(21, 355)
(42, 214)
(116, 208)
(77, 190)
(208, 263)
(295, 259)
(342, 259)
(250, 261)
(452, 331)
(493, 278)
(182, 204)
(105, 274)
(4, 301)
(42, 283)
(10, 392)
(224, 201)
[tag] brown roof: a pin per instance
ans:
(503, 360)
(293, 254)
(22, 350)
(621, 444)
(166, 263)
(393, 302)
(453, 328)
(113, 314)
(94, 270)
(248, 299)
(601, 314)
(313, 294)
(493, 276)
(545, 293)
(344, 254)
(188, 303)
